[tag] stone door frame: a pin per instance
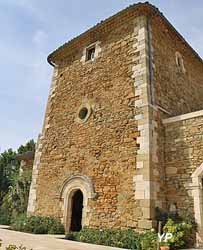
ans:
(197, 193)
(69, 187)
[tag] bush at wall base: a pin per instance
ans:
(37, 225)
(181, 232)
(127, 239)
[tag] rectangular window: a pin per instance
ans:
(90, 53)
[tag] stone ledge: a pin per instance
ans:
(183, 117)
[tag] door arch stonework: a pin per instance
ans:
(197, 194)
(69, 187)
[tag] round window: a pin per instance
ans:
(83, 113)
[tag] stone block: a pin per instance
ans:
(145, 224)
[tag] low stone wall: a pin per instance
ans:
(183, 158)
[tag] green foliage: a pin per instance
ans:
(183, 218)
(108, 237)
(128, 239)
(29, 146)
(5, 216)
(38, 225)
(16, 199)
(14, 188)
(181, 233)
(187, 217)
(19, 222)
(148, 240)
(9, 166)
(163, 243)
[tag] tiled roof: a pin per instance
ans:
(154, 10)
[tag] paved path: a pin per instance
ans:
(45, 242)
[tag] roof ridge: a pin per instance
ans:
(98, 24)
(135, 5)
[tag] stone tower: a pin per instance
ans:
(102, 147)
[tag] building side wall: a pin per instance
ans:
(176, 91)
(105, 147)
(183, 155)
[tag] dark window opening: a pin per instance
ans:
(90, 53)
(77, 206)
(83, 113)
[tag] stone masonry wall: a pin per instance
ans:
(183, 155)
(39, 146)
(135, 81)
(147, 184)
(105, 147)
(176, 91)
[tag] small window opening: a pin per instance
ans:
(83, 113)
(179, 62)
(90, 53)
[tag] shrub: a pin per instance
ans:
(19, 223)
(108, 237)
(5, 217)
(128, 239)
(38, 225)
(181, 233)
(148, 240)
(16, 199)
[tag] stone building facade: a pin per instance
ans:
(114, 140)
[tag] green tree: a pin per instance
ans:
(14, 188)
(16, 199)
(9, 166)
(29, 146)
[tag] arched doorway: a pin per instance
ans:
(68, 190)
(76, 213)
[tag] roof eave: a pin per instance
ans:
(154, 11)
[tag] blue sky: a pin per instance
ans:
(31, 29)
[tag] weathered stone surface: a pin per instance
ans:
(182, 158)
(104, 147)
(126, 150)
